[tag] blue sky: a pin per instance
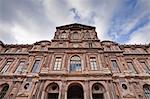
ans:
(28, 21)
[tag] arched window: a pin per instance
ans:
(3, 91)
(98, 91)
(75, 36)
(63, 35)
(75, 63)
(147, 91)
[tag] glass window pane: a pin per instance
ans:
(93, 63)
(35, 67)
(6, 66)
(57, 65)
(75, 63)
(114, 65)
(131, 67)
(21, 68)
(145, 67)
(147, 91)
(4, 90)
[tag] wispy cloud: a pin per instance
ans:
(28, 21)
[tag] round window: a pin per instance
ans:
(26, 86)
(124, 86)
(54, 87)
(96, 87)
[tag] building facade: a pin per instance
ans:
(75, 64)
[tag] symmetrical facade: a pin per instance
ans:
(75, 64)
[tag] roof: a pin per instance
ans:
(75, 26)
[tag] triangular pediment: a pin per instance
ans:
(75, 26)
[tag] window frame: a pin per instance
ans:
(75, 36)
(145, 66)
(146, 90)
(6, 66)
(57, 64)
(93, 64)
(38, 66)
(131, 67)
(4, 91)
(116, 69)
(20, 66)
(77, 64)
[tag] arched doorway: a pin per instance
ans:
(75, 91)
(52, 91)
(98, 91)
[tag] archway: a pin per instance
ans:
(52, 91)
(75, 91)
(98, 91)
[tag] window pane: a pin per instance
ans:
(75, 63)
(63, 35)
(4, 90)
(42, 48)
(147, 91)
(93, 63)
(6, 66)
(57, 65)
(75, 36)
(35, 67)
(21, 68)
(145, 67)
(131, 67)
(114, 65)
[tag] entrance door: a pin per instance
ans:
(75, 92)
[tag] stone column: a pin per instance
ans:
(63, 90)
(86, 90)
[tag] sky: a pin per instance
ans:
(29, 21)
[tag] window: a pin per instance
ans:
(131, 67)
(63, 35)
(6, 66)
(114, 65)
(18, 50)
(21, 68)
(90, 45)
(75, 36)
(42, 48)
(98, 91)
(136, 51)
(7, 50)
(52, 91)
(93, 63)
(145, 67)
(87, 35)
(57, 64)
(147, 91)
(75, 63)
(61, 45)
(5, 88)
(35, 67)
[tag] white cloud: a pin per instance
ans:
(142, 36)
(30, 26)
